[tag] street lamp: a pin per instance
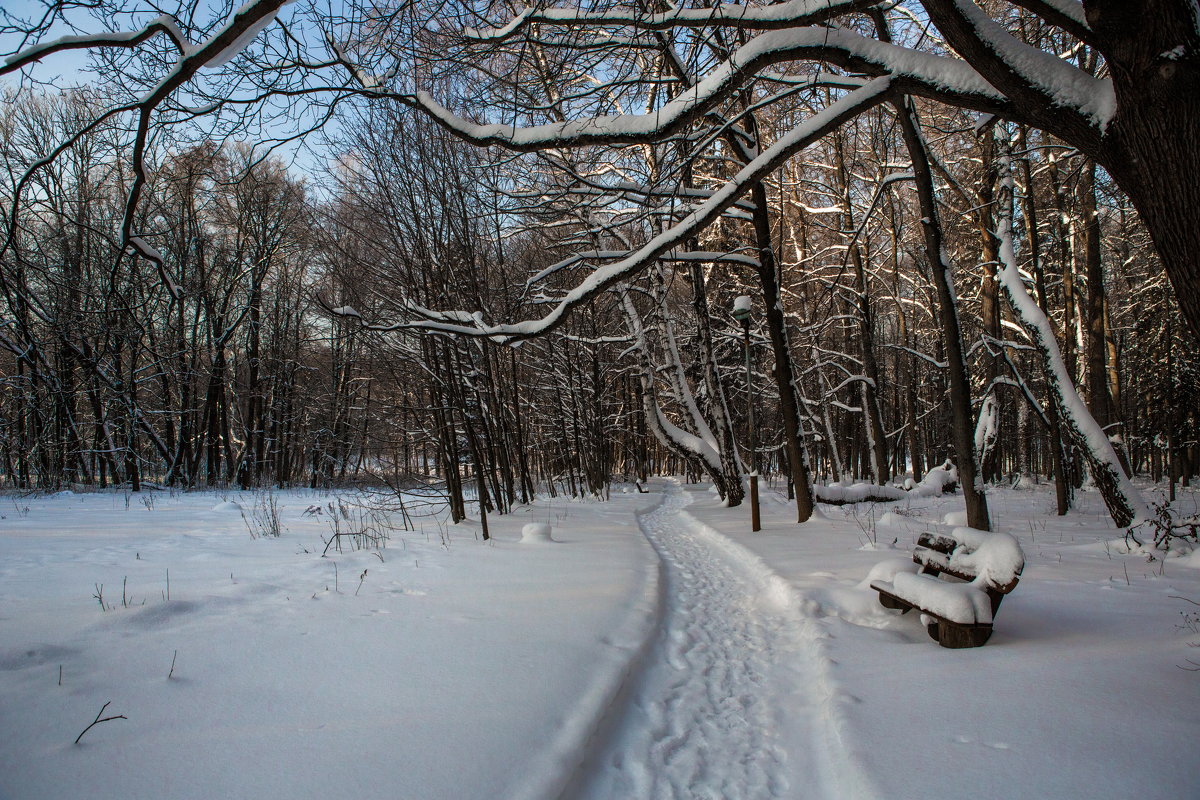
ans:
(741, 312)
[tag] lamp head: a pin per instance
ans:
(741, 308)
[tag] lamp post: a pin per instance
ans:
(741, 312)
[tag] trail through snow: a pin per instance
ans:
(718, 709)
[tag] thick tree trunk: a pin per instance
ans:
(1150, 147)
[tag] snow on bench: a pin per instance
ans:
(956, 614)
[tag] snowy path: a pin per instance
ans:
(705, 718)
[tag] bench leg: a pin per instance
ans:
(958, 636)
(995, 597)
(890, 602)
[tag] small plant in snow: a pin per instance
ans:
(98, 720)
(1190, 625)
(362, 525)
(264, 517)
(21, 511)
(99, 595)
(867, 526)
(1167, 527)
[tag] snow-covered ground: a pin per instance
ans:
(655, 649)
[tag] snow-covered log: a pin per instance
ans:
(936, 482)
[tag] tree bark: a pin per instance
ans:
(1150, 147)
(960, 390)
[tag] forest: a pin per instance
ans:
(599, 399)
(499, 251)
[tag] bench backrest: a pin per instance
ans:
(994, 559)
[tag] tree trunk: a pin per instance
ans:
(1150, 146)
(1124, 503)
(1062, 488)
(960, 397)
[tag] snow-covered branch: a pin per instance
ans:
(791, 14)
(911, 71)
(811, 130)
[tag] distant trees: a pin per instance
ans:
(115, 374)
(964, 226)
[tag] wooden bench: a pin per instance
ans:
(958, 613)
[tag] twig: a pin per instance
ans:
(361, 578)
(98, 720)
(172, 672)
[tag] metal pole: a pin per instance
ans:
(755, 520)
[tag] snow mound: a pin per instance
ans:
(536, 532)
(892, 518)
(888, 570)
(955, 518)
(227, 505)
(1192, 559)
(1025, 482)
(937, 481)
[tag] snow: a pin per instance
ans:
(994, 556)
(1065, 85)
(856, 492)
(1081, 662)
(536, 532)
(955, 518)
(949, 75)
(661, 649)
(164, 22)
(243, 41)
(845, 492)
(741, 304)
(959, 602)
(459, 669)
(888, 570)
